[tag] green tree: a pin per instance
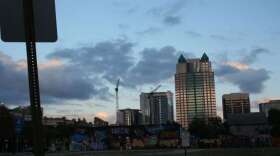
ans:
(207, 129)
(198, 128)
(7, 129)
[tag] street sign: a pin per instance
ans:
(12, 21)
(19, 123)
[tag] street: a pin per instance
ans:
(191, 152)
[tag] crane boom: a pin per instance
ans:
(154, 90)
(117, 99)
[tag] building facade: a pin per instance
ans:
(195, 90)
(266, 107)
(157, 108)
(236, 103)
(98, 122)
(129, 117)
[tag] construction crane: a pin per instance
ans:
(117, 98)
(155, 89)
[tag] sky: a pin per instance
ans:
(139, 42)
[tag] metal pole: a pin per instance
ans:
(38, 146)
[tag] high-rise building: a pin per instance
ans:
(195, 90)
(266, 107)
(129, 117)
(236, 103)
(156, 108)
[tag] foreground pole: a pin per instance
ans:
(38, 142)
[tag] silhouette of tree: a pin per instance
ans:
(274, 121)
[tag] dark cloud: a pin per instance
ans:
(172, 20)
(193, 34)
(87, 72)
(56, 83)
(154, 66)
(109, 59)
(253, 55)
(248, 80)
(239, 73)
(13, 82)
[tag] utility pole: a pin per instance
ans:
(36, 111)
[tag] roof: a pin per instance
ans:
(204, 58)
(182, 59)
(247, 119)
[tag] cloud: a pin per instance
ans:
(193, 34)
(57, 82)
(169, 12)
(172, 20)
(107, 60)
(220, 37)
(150, 31)
(253, 55)
(111, 60)
(248, 79)
(87, 72)
(155, 65)
(102, 115)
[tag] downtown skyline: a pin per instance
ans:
(79, 72)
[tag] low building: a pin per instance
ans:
(23, 112)
(57, 121)
(249, 125)
(266, 107)
(129, 117)
(235, 103)
(99, 122)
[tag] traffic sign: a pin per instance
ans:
(12, 21)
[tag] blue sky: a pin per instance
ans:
(139, 41)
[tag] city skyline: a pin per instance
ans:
(93, 52)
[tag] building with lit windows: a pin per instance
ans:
(236, 103)
(195, 90)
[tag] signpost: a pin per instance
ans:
(30, 21)
(185, 138)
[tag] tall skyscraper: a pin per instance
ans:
(195, 90)
(236, 103)
(156, 108)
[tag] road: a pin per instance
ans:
(192, 152)
(116, 153)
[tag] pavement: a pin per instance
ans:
(115, 153)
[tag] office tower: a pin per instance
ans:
(195, 90)
(156, 108)
(129, 117)
(236, 103)
(266, 107)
